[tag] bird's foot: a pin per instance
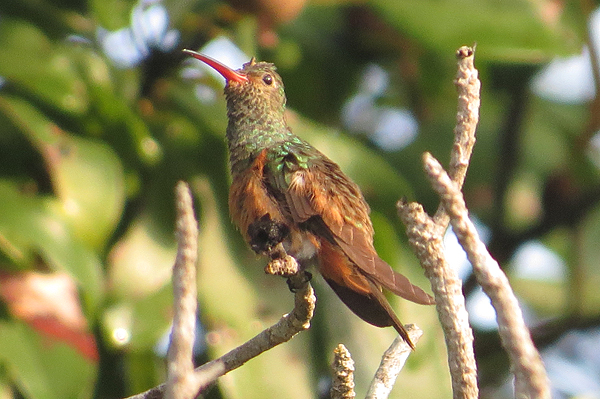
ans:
(297, 281)
(284, 265)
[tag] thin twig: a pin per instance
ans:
(468, 87)
(180, 381)
(288, 326)
(531, 380)
(342, 386)
(392, 362)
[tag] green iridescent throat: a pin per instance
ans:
(256, 122)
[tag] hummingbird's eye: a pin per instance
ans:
(268, 79)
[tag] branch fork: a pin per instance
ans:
(425, 236)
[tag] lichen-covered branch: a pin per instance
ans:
(342, 385)
(468, 87)
(426, 237)
(531, 380)
(180, 381)
(467, 114)
(288, 326)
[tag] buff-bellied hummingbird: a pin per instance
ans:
(285, 191)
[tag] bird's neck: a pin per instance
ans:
(250, 133)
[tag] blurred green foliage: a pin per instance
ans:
(90, 153)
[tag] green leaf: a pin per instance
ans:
(138, 323)
(41, 67)
(112, 14)
(589, 255)
(29, 227)
(118, 122)
(87, 177)
(141, 262)
(509, 30)
(44, 369)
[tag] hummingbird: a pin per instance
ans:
(285, 191)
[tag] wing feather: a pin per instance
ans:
(321, 189)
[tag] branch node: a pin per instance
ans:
(281, 264)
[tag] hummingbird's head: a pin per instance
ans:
(255, 90)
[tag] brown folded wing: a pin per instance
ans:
(323, 191)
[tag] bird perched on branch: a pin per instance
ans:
(285, 193)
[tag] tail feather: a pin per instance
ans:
(372, 265)
(374, 308)
(396, 323)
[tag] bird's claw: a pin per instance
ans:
(284, 265)
(297, 281)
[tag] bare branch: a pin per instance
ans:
(342, 386)
(180, 382)
(426, 239)
(392, 362)
(288, 326)
(531, 380)
(467, 116)
(184, 382)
